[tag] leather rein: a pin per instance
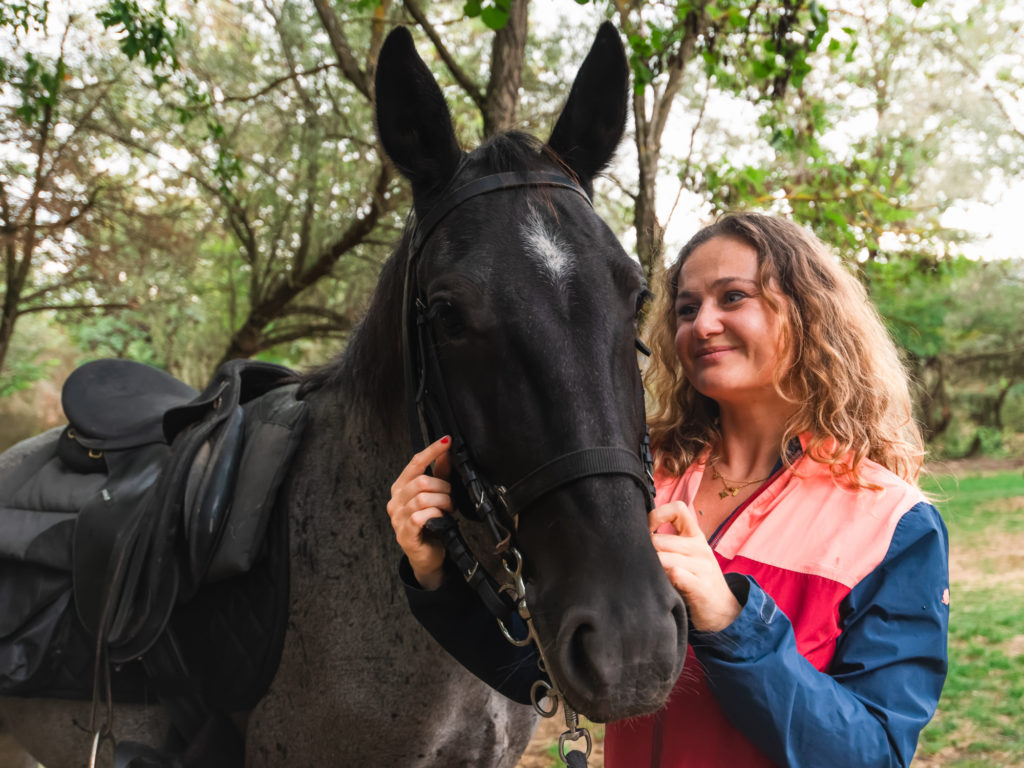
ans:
(431, 416)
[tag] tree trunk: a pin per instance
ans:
(7, 321)
(651, 109)
(650, 234)
(508, 52)
(997, 407)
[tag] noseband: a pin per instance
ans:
(431, 416)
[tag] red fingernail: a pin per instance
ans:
(445, 440)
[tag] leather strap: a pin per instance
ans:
(495, 182)
(499, 604)
(573, 466)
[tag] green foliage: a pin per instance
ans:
(20, 18)
(762, 48)
(1013, 409)
(149, 34)
(852, 201)
(951, 317)
(39, 84)
(493, 13)
(31, 357)
(115, 335)
(915, 296)
(23, 16)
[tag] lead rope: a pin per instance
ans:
(512, 562)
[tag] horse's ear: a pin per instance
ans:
(594, 118)
(413, 121)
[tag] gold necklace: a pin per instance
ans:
(731, 487)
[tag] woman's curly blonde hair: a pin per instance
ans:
(846, 377)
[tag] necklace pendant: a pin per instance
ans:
(723, 494)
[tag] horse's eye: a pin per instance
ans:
(449, 317)
(642, 300)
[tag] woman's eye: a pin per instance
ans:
(686, 310)
(731, 297)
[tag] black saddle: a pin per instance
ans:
(150, 529)
(173, 459)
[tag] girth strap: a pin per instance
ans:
(569, 467)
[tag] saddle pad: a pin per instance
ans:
(42, 645)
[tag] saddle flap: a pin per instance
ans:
(213, 473)
(274, 427)
(115, 404)
(105, 528)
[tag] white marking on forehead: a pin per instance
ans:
(552, 252)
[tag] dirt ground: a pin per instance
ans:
(973, 466)
(547, 733)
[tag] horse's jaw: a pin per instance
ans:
(614, 629)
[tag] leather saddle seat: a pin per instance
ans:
(117, 404)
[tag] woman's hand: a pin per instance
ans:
(691, 566)
(415, 498)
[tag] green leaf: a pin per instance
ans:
(494, 17)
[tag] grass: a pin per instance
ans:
(979, 723)
(596, 734)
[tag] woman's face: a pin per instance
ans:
(728, 337)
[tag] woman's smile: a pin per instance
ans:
(710, 355)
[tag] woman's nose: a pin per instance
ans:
(708, 321)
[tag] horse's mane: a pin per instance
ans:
(371, 365)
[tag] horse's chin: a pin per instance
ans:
(640, 694)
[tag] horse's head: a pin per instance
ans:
(532, 309)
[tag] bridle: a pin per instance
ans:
(431, 416)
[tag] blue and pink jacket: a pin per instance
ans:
(837, 658)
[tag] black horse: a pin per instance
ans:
(531, 305)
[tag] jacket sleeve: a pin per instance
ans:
(455, 616)
(886, 675)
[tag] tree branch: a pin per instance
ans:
(273, 84)
(86, 306)
(987, 87)
(458, 73)
(342, 49)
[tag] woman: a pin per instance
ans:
(788, 517)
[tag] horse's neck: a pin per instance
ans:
(358, 405)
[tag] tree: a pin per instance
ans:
(57, 195)
(283, 149)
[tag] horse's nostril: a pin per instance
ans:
(681, 619)
(579, 649)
